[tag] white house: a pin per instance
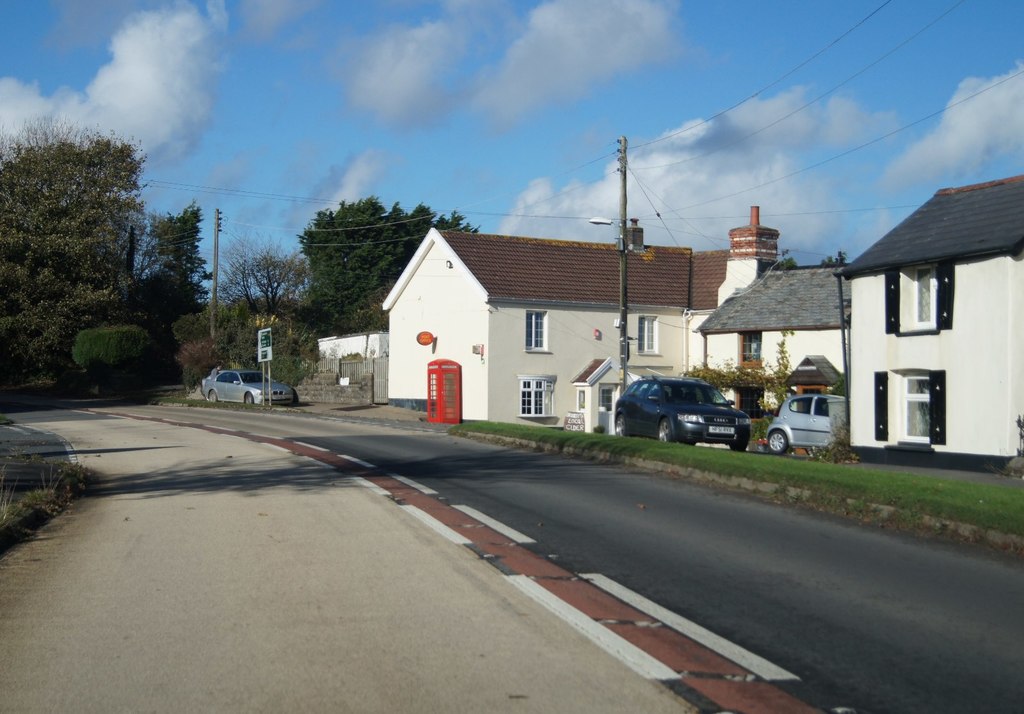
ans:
(937, 333)
(531, 323)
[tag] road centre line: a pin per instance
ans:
(746, 659)
(626, 652)
(436, 525)
(512, 533)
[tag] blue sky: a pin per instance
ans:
(837, 118)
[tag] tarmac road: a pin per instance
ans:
(283, 587)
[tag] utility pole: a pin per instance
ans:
(623, 247)
(213, 291)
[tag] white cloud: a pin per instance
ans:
(702, 177)
(409, 75)
(396, 74)
(157, 89)
(984, 129)
(571, 46)
(355, 179)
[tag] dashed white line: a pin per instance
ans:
(750, 661)
(363, 483)
(626, 652)
(310, 446)
(413, 484)
(358, 462)
(436, 525)
(507, 531)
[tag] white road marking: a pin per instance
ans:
(436, 525)
(310, 446)
(750, 661)
(413, 484)
(359, 462)
(626, 652)
(362, 482)
(507, 531)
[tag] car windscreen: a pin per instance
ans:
(251, 377)
(694, 394)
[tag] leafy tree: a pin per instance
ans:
(264, 277)
(67, 200)
(836, 262)
(355, 254)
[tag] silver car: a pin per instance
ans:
(805, 421)
(245, 385)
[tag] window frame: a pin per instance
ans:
(746, 354)
(603, 391)
(910, 403)
(924, 301)
(647, 339)
(534, 389)
(535, 319)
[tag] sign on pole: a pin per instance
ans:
(264, 345)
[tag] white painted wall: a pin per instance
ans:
(443, 301)
(982, 357)
(372, 344)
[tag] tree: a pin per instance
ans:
(264, 277)
(356, 254)
(67, 200)
(836, 262)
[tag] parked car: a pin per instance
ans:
(245, 385)
(680, 409)
(804, 421)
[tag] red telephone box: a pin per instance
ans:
(444, 392)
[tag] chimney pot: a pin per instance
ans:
(755, 215)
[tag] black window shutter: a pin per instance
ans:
(881, 406)
(937, 406)
(892, 302)
(944, 290)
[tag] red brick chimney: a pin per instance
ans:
(754, 241)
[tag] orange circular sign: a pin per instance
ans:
(425, 338)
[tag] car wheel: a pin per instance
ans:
(295, 397)
(212, 396)
(777, 442)
(620, 425)
(248, 398)
(664, 430)
(739, 445)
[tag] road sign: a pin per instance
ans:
(264, 345)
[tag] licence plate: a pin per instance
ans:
(721, 430)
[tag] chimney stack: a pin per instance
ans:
(755, 242)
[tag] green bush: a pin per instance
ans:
(104, 347)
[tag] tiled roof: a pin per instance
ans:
(708, 275)
(799, 299)
(516, 268)
(814, 369)
(592, 368)
(983, 219)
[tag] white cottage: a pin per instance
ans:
(937, 333)
(529, 325)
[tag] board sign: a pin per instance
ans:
(264, 345)
(574, 421)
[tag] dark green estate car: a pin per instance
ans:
(681, 409)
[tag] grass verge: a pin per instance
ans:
(959, 509)
(59, 485)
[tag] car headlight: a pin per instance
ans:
(743, 421)
(690, 418)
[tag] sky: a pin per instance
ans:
(837, 117)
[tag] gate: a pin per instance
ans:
(380, 380)
(355, 371)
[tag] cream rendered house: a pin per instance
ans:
(937, 334)
(532, 324)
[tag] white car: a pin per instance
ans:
(247, 386)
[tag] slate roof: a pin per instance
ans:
(970, 221)
(798, 299)
(532, 269)
(813, 370)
